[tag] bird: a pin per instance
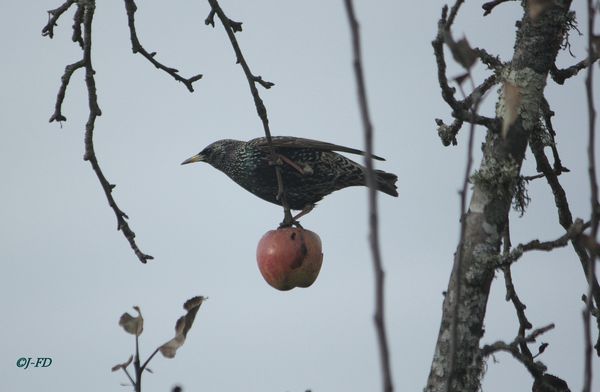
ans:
(310, 169)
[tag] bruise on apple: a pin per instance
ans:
(297, 263)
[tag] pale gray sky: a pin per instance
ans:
(68, 274)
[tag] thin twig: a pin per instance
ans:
(453, 13)
(572, 233)
(60, 97)
(231, 27)
(53, 16)
(511, 295)
(137, 47)
(560, 75)
(87, 16)
(143, 367)
(490, 5)
(591, 271)
(77, 22)
(379, 316)
(90, 154)
(519, 348)
(542, 175)
(547, 115)
(535, 368)
(461, 110)
(128, 376)
(137, 367)
(565, 217)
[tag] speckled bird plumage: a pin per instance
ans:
(324, 170)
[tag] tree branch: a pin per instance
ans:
(573, 233)
(536, 369)
(379, 316)
(53, 16)
(461, 110)
(560, 75)
(594, 206)
(86, 13)
(511, 295)
(537, 44)
(564, 212)
(136, 47)
(230, 28)
(490, 5)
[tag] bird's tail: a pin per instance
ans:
(386, 182)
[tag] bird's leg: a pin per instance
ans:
(288, 220)
(308, 208)
(302, 170)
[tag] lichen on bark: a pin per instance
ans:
(537, 43)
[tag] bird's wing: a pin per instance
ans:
(297, 142)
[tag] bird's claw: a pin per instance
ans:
(289, 220)
(305, 169)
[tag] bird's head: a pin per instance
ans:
(215, 153)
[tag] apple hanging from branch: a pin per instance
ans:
(289, 257)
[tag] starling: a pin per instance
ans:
(310, 169)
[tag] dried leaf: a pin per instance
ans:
(536, 7)
(512, 101)
(542, 348)
(122, 365)
(460, 79)
(132, 325)
(463, 53)
(182, 327)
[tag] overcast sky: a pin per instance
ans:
(68, 274)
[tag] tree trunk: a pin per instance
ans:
(538, 40)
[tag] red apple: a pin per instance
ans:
(289, 257)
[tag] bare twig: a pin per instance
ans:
(511, 295)
(137, 367)
(60, 97)
(137, 47)
(231, 27)
(547, 115)
(542, 175)
(77, 23)
(560, 75)
(490, 5)
(53, 16)
(536, 369)
(594, 206)
(453, 13)
(86, 13)
(128, 376)
(448, 132)
(379, 316)
(147, 361)
(519, 348)
(461, 110)
(564, 212)
(572, 233)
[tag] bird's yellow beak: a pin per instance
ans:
(195, 158)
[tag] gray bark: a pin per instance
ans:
(537, 44)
